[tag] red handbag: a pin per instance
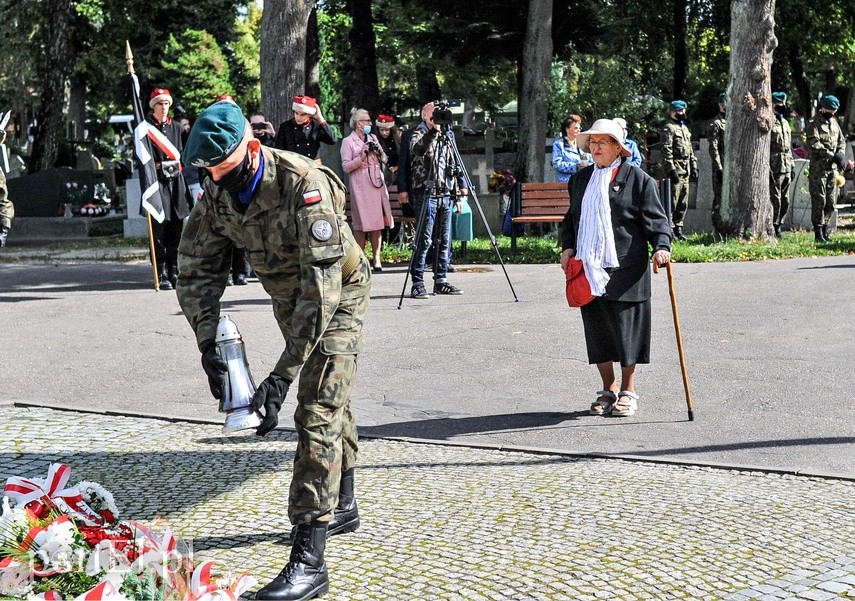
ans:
(578, 290)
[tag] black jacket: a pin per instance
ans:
(638, 219)
(291, 136)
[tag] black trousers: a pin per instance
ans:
(166, 236)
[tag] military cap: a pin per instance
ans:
(216, 134)
(678, 105)
(722, 98)
(830, 103)
(779, 97)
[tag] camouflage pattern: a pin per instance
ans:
(780, 169)
(715, 137)
(7, 209)
(305, 256)
(678, 155)
(824, 139)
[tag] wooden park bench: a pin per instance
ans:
(538, 202)
(397, 211)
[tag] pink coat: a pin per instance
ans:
(369, 199)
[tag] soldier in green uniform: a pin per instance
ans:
(827, 147)
(7, 209)
(715, 137)
(288, 213)
(679, 162)
(780, 162)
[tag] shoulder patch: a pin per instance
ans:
(322, 230)
(311, 197)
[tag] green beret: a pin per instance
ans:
(678, 105)
(722, 98)
(830, 103)
(216, 134)
(779, 97)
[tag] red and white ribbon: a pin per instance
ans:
(204, 588)
(68, 500)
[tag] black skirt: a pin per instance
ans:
(617, 331)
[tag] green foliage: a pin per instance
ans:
(142, 587)
(196, 70)
(246, 74)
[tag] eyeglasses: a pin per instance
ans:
(601, 143)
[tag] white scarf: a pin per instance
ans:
(595, 245)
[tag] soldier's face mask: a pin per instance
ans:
(681, 116)
(238, 177)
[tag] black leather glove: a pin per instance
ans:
(840, 161)
(693, 175)
(270, 394)
(674, 176)
(4, 231)
(215, 368)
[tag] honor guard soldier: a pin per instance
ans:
(288, 213)
(827, 147)
(715, 138)
(304, 133)
(679, 162)
(780, 162)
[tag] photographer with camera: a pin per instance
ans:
(362, 158)
(437, 182)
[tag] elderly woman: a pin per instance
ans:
(615, 216)
(567, 158)
(363, 158)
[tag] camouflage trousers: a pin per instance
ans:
(326, 436)
(823, 194)
(779, 195)
(680, 201)
(717, 177)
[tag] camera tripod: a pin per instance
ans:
(437, 188)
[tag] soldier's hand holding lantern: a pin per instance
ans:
(215, 368)
(270, 395)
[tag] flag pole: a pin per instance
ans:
(129, 58)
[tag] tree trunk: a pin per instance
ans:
(746, 209)
(364, 88)
(313, 57)
(54, 75)
(537, 56)
(283, 55)
(680, 58)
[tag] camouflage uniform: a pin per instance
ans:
(306, 258)
(780, 169)
(715, 137)
(678, 156)
(824, 139)
(7, 209)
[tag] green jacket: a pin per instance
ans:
(301, 248)
(7, 209)
(824, 139)
(715, 137)
(780, 147)
(677, 152)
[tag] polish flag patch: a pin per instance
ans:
(312, 197)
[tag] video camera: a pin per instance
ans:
(441, 115)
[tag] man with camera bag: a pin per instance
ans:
(437, 182)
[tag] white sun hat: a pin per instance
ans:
(606, 127)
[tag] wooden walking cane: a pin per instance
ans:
(679, 337)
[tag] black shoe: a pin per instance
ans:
(172, 275)
(678, 233)
(446, 288)
(165, 284)
(777, 227)
(825, 233)
(419, 291)
(240, 280)
(230, 281)
(305, 576)
(817, 234)
(377, 269)
(450, 269)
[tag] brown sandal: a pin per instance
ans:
(604, 403)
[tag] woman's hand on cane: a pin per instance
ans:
(660, 258)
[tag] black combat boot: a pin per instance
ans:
(817, 234)
(346, 517)
(305, 576)
(172, 274)
(678, 233)
(825, 233)
(163, 276)
(777, 227)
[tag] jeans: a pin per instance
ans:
(443, 203)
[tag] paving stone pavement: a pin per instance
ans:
(462, 523)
